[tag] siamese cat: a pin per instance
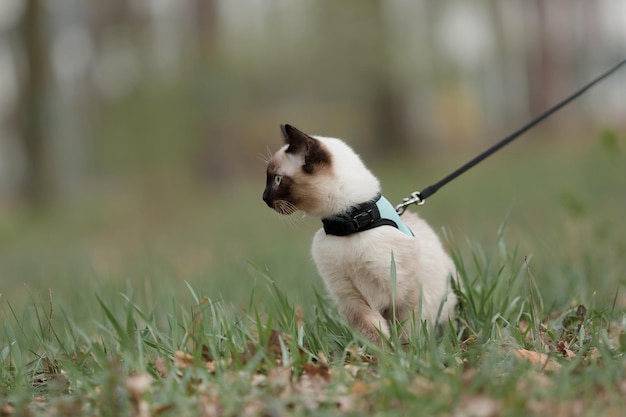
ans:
(325, 178)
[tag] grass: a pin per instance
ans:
(196, 307)
(506, 355)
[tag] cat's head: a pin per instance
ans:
(320, 176)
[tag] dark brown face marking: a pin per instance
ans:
(293, 174)
(315, 155)
(278, 190)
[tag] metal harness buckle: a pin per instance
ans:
(415, 198)
(363, 219)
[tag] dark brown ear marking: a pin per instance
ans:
(297, 140)
(300, 143)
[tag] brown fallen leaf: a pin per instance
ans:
(563, 347)
(477, 406)
(206, 354)
(538, 358)
(320, 368)
(211, 407)
(7, 410)
(137, 385)
(311, 391)
(534, 381)
(354, 354)
(421, 386)
(161, 367)
(468, 375)
(352, 370)
(280, 379)
(274, 343)
(360, 387)
(551, 407)
(182, 359)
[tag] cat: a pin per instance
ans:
(325, 178)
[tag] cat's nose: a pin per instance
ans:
(266, 197)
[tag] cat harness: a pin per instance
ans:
(373, 213)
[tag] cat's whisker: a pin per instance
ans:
(285, 207)
(296, 219)
(268, 155)
(293, 222)
(291, 208)
(289, 212)
(264, 158)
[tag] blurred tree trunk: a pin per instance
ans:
(390, 119)
(388, 102)
(541, 62)
(551, 59)
(206, 21)
(30, 117)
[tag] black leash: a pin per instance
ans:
(419, 197)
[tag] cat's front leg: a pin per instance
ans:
(404, 318)
(366, 320)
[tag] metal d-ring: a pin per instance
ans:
(415, 198)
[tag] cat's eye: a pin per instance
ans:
(278, 179)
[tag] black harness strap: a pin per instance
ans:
(362, 217)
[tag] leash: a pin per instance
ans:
(419, 197)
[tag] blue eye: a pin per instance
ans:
(278, 179)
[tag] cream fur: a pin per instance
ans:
(356, 268)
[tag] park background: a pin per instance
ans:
(132, 136)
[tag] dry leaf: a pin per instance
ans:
(182, 359)
(322, 369)
(352, 369)
(252, 408)
(544, 407)
(356, 354)
(468, 375)
(421, 385)
(161, 367)
(206, 354)
(538, 359)
(359, 388)
(311, 390)
(523, 326)
(211, 366)
(257, 380)
(299, 319)
(6, 410)
(245, 356)
(533, 381)
(477, 406)
(274, 344)
(136, 386)
(563, 347)
(210, 407)
(280, 378)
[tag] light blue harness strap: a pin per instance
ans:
(388, 211)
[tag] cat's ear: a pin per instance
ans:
(314, 153)
(297, 140)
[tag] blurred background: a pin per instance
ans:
(131, 132)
